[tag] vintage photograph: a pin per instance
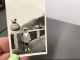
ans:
(26, 21)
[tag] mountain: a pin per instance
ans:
(35, 23)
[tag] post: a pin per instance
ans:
(15, 40)
(38, 34)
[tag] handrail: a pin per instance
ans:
(16, 32)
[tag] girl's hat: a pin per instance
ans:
(25, 28)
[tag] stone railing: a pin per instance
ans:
(16, 32)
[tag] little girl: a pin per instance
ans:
(26, 39)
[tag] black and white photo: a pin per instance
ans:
(26, 21)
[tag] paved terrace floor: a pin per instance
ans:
(35, 46)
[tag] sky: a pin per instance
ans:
(24, 10)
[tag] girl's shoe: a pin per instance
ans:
(25, 49)
(28, 49)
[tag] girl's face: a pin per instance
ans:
(25, 31)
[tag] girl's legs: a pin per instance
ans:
(28, 47)
(25, 47)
